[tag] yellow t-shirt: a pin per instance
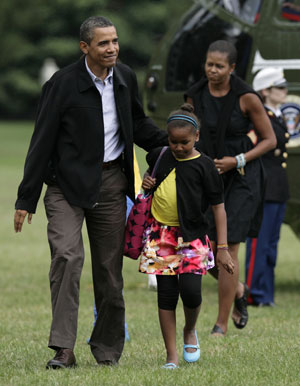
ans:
(164, 202)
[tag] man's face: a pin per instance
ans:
(103, 50)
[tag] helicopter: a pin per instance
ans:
(265, 34)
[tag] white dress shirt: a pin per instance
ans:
(277, 111)
(113, 144)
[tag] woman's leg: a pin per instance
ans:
(228, 288)
(240, 287)
(190, 292)
(167, 295)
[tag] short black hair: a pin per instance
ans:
(88, 26)
(225, 47)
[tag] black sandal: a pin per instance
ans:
(217, 330)
(241, 306)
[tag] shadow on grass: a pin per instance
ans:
(288, 286)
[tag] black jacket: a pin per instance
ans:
(275, 162)
(198, 185)
(67, 145)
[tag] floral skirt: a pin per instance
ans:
(165, 253)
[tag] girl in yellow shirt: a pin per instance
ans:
(177, 249)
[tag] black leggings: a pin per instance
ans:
(187, 285)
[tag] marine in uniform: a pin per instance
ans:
(261, 252)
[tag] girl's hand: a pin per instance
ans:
(148, 183)
(225, 164)
(224, 258)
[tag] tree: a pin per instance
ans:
(38, 29)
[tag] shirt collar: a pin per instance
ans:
(109, 77)
(277, 111)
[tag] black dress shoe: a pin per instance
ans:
(261, 304)
(63, 358)
(270, 304)
(107, 363)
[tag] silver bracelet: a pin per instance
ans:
(240, 161)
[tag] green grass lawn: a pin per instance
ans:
(267, 352)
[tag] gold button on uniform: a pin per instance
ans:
(285, 155)
(287, 135)
(284, 165)
(277, 152)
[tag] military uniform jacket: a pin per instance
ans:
(67, 146)
(275, 162)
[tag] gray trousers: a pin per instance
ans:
(105, 225)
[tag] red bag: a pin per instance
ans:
(137, 220)
(136, 224)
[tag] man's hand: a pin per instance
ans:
(19, 219)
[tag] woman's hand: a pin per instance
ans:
(225, 164)
(224, 258)
(148, 183)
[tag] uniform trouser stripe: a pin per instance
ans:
(251, 263)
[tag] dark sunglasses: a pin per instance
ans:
(280, 87)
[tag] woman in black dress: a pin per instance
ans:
(228, 109)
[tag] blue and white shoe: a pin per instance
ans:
(170, 366)
(191, 356)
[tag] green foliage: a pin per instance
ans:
(37, 29)
(18, 91)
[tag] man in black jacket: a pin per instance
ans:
(88, 118)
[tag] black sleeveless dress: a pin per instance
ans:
(243, 194)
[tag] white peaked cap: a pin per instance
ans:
(269, 77)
